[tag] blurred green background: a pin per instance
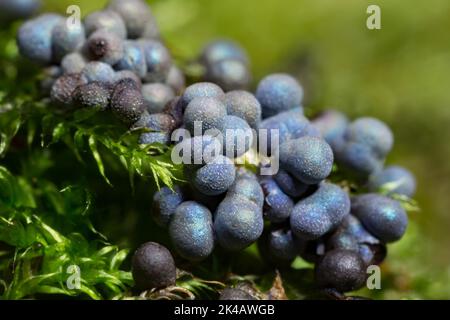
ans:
(400, 74)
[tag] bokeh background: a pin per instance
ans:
(400, 74)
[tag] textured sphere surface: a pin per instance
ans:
(191, 231)
(309, 159)
(384, 217)
(201, 90)
(203, 114)
(215, 177)
(153, 267)
(342, 270)
(278, 92)
(165, 201)
(244, 105)
(396, 179)
(237, 136)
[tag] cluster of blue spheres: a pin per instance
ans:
(115, 60)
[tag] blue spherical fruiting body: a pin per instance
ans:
(281, 247)
(332, 125)
(237, 136)
(219, 50)
(127, 74)
(106, 19)
(229, 74)
(92, 95)
(381, 216)
(160, 125)
(66, 38)
(157, 96)
(204, 114)
(34, 38)
(314, 216)
(176, 79)
(237, 223)
(309, 159)
(342, 270)
(215, 177)
(105, 46)
(98, 71)
(290, 185)
(244, 105)
(277, 205)
(395, 179)
(165, 202)
(127, 103)
(63, 88)
(201, 90)
(158, 60)
(191, 231)
(199, 150)
(133, 59)
(247, 188)
(277, 93)
(135, 14)
(73, 63)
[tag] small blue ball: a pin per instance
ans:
(105, 46)
(322, 211)
(309, 159)
(229, 74)
(201, 90)
(135, 13)
(237, 223)
(358, 159)
(66, 39)
(73, 63)
(34, 38)
(291, 186)
(157, 96)
(281, 246)
(332, 125)
(382, 216)
(191, 231)
(176, 79)
(199, 150)
(219, 50)
(277, 205)
(244, 105)
(402, 181)
(106, 19)
(215, 177)
(98, 71)
(158, 60)
(278, 92)
(165, 201)
(247, 188)
(133, 59)
(204, 114)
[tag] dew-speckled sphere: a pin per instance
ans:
(244, 105)
(281, 246)
(322, 211)
(153, 267)
(358, 159)
(158, 59)
(191, 231)
(127, 74)
(127, 104)
(135, 14)
(237, 136)
(63, 88)
(209, 113)
(176, 79)
(278, 92)
(66, 39)
(98, 71)
(237, 223)
(332, 125)
(219, 50)
(106, 19)
(290, 185)
(342, 270)
(92, 95)
(396, 178)
(201, 90)
(229, 74)
(247, 188)
(34, 38)
(371, 132)
(133, 58)
(165, 201)
(309, 159)
(157, 96)
(382, 216)
(105, 46)
(277, 205)
(73, 63)
(215, 177)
